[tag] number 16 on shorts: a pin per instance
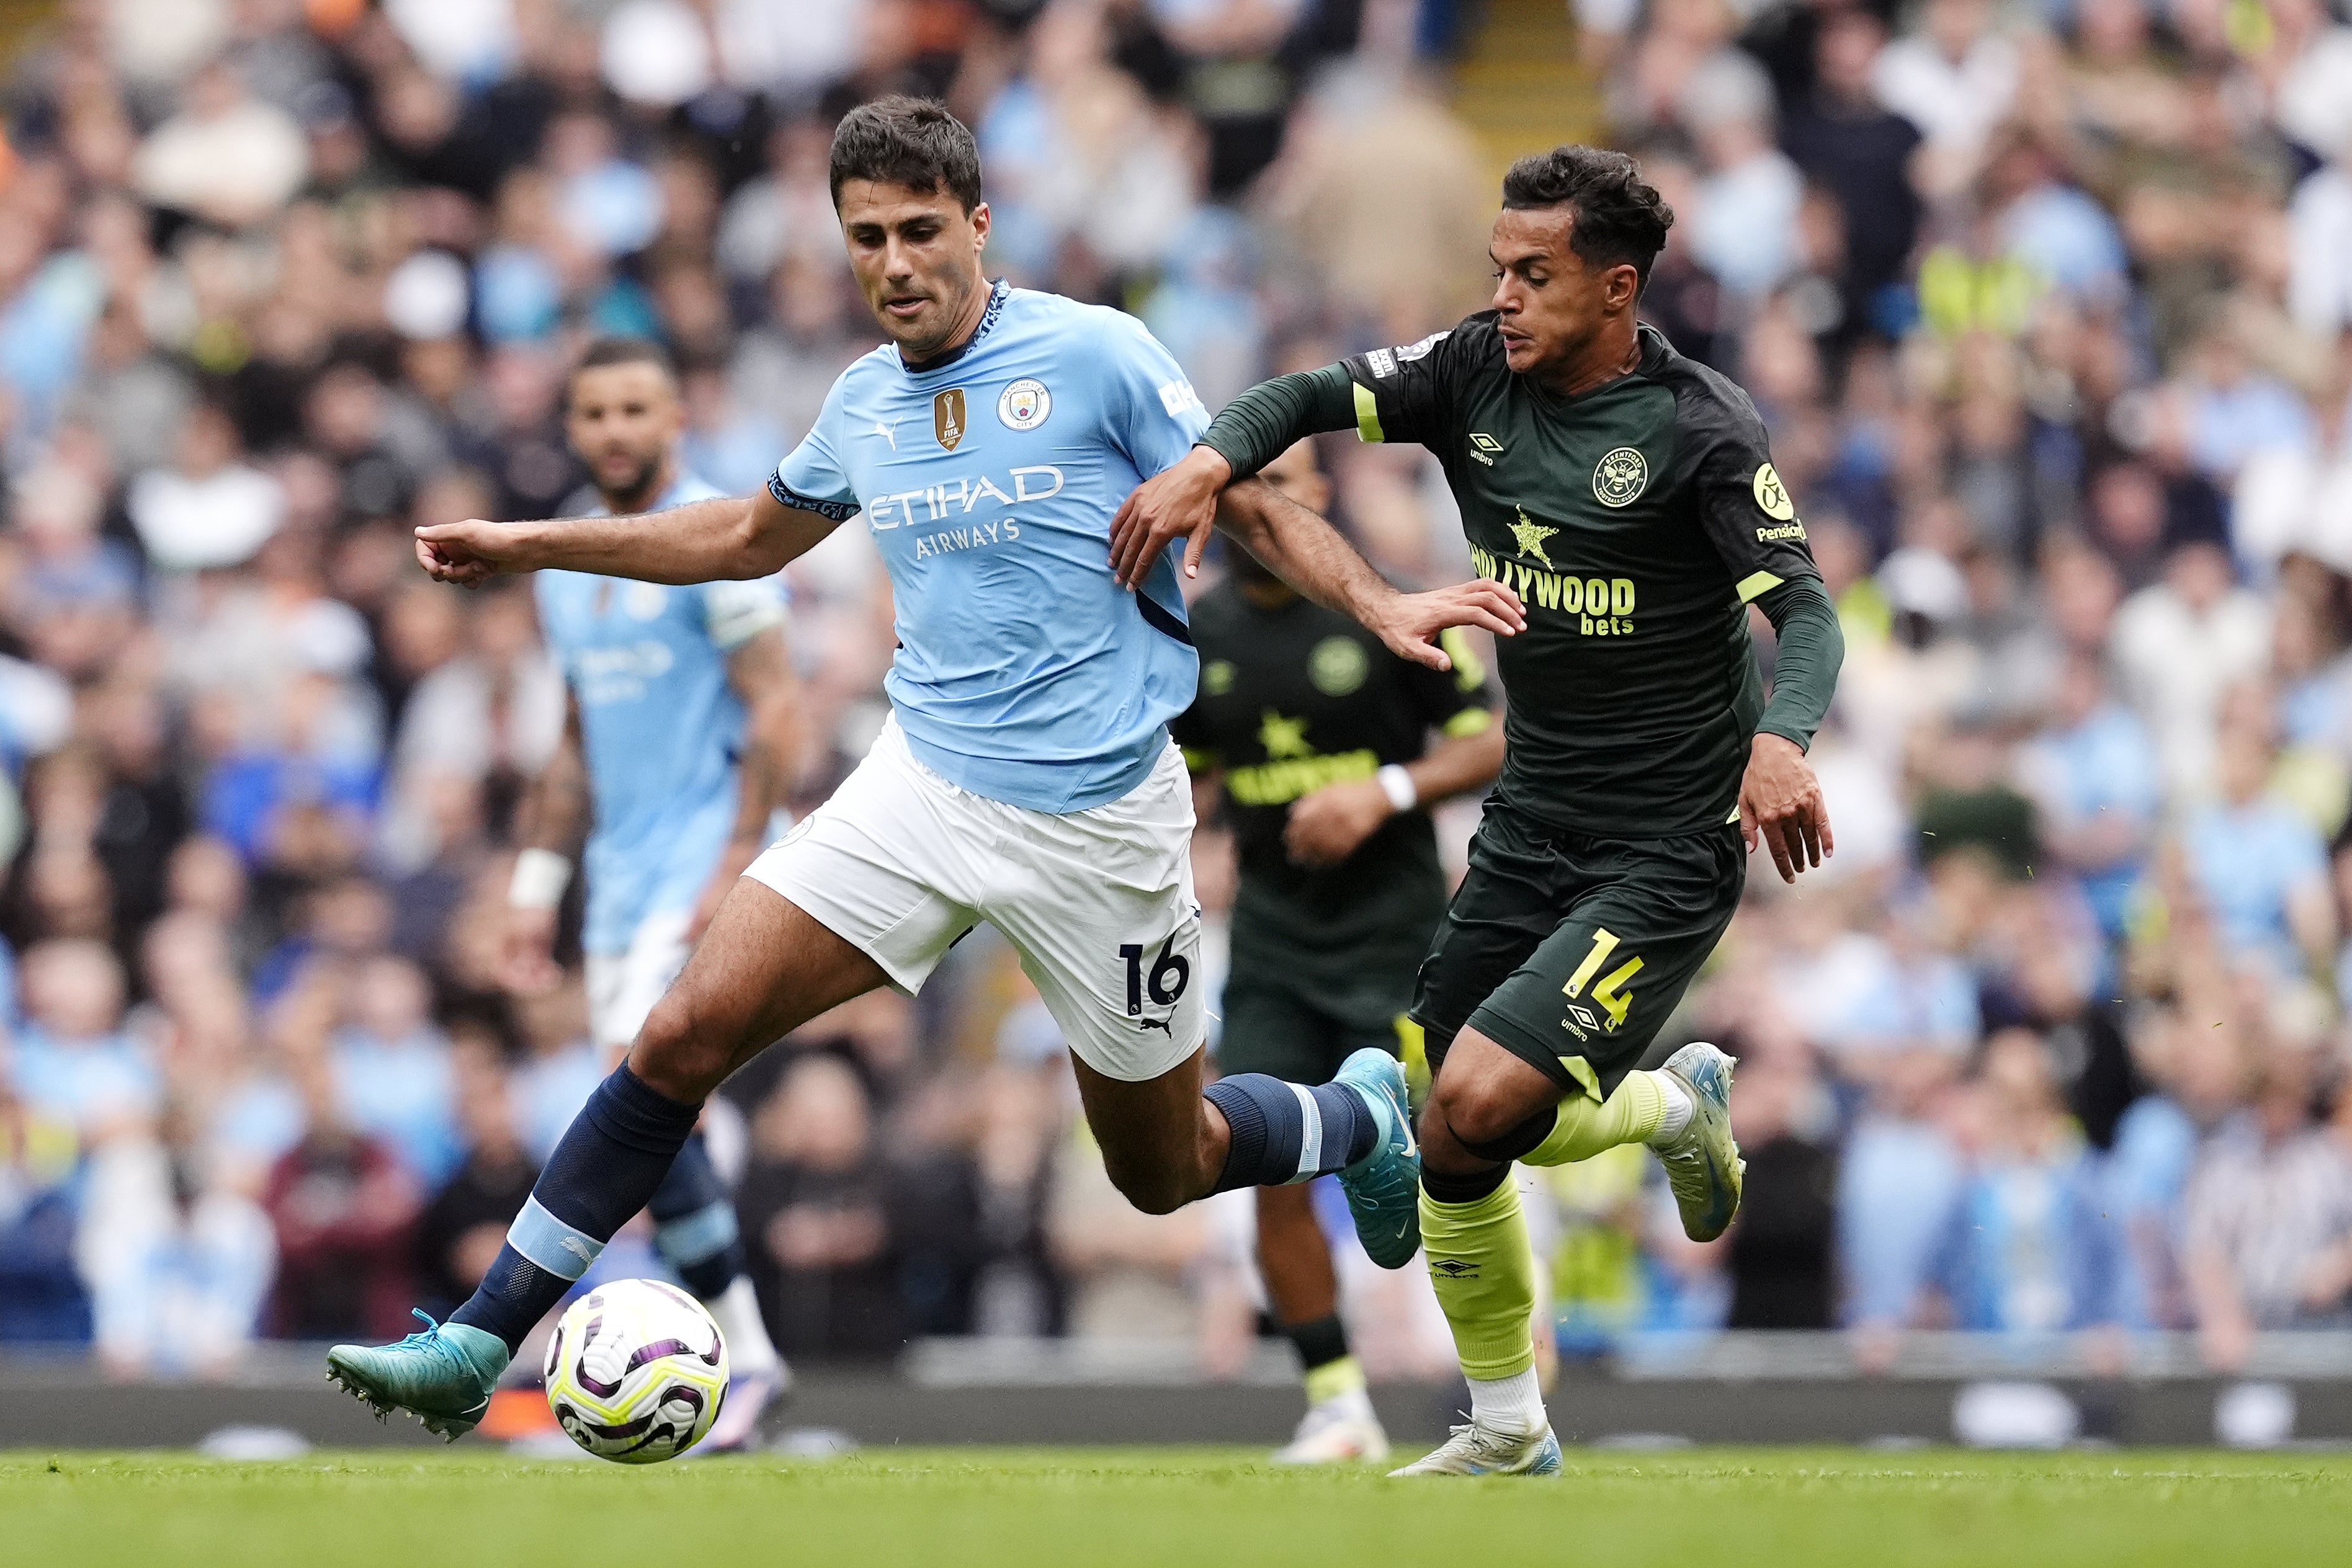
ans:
(1170, 973)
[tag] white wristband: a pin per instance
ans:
(1398, 785)
(540, 878)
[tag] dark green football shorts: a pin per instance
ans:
(1277, 1022)
(1570, 951)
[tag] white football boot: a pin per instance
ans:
(1344, 1430)
(1475, 1450)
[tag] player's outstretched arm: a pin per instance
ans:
(1308, 554)
(726, 537)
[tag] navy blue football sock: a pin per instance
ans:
(695, 1228)
(1286, 1132)
(610, 1161)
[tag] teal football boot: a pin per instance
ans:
(1383, 1189)
(442, 1377)
(1703, 1163)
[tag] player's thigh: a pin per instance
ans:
(1509, 903)
(623, 987)
(765, 967)
(1098, 904)
(856, 896)
(1594, 993)
(887, 864)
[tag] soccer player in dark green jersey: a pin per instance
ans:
(1319, 738)
(1627, 495)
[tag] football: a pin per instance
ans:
(636, 1371)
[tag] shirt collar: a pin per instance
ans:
(998, 293)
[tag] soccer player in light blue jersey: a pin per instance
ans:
(1026, 778)
(681, 742)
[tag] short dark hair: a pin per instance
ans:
(1620, 218)
(606, 351)
(909, 141)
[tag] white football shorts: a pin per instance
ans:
(623, 987)
(902, 863)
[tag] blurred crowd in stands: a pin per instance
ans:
(2048, 307)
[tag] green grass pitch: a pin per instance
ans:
(981, 1508)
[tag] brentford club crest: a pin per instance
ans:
(1025, 405)
(1620, 477)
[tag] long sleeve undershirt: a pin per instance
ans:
(1804, 674)
(1270, 418)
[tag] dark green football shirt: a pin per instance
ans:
(1637, 521)
(1290, 700)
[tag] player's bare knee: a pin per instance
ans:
(676, 1059)
(1475, 1110)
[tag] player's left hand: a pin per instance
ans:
(1781, 803)
(1410, 622)
(1332, 823)
(733, 861)
(1176, 503)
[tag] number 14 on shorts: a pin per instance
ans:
(1610, 993)
(1170, 973)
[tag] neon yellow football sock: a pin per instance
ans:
(1334, 1379)
(1585, 1128)
(1485, 1272)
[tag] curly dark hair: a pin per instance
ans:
(909, 141)
(1620, 218)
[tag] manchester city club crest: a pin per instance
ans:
(1024, 404)
(1620, 477)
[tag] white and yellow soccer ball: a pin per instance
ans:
(636, 1371)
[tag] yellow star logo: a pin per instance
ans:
(1531, 536)
(1283, 737)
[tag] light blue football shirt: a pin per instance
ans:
(660, 727)
(1024, 671)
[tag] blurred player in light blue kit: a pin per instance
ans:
(1026, 779)
(679, 750)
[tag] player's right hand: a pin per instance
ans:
(527, 966)
(1410, 622)
(466, 553)
(1175, 503)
